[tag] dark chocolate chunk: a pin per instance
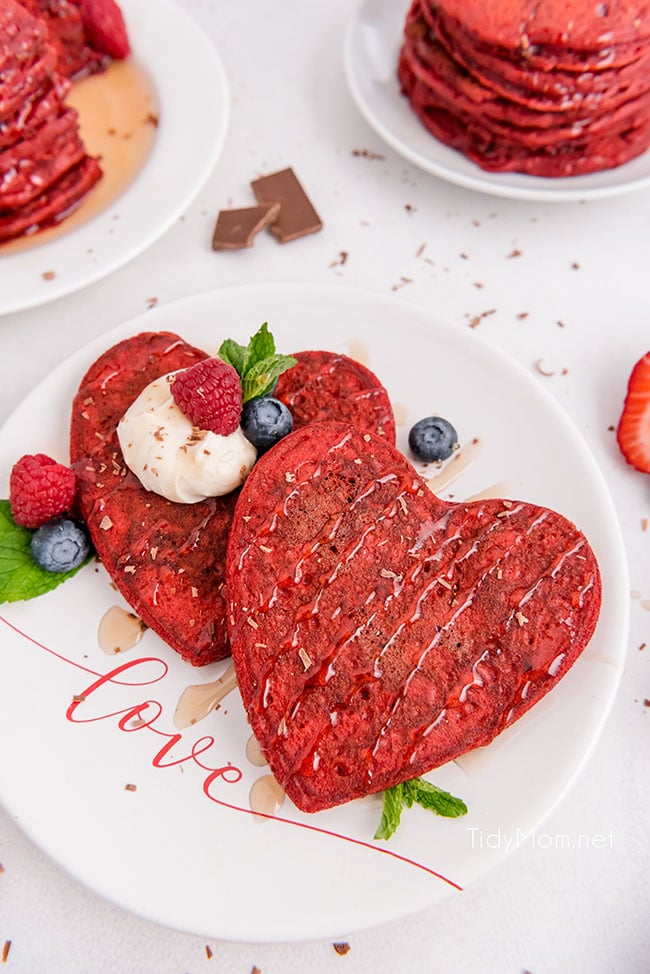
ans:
(236, 229)
(297, 216)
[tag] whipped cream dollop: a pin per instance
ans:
(172, 457)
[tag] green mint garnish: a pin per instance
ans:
(20, 576)
(257, 364)
(417, 791)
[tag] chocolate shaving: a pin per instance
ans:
(538, 366)
(297, 216)
(341, 949)
(367, 154)
(477, 319)
(236, 229)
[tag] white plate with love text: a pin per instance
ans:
(158, 818)
(159, 133)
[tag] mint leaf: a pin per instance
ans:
(256, 364)
(20, 576)
(261, 345)
(260, 379)
(391, 812)
(430, 796)
(417, 791)
(234, 354)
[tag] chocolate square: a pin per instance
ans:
(237, 229)
(297, 216)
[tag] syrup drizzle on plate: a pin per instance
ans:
(199, 700)
(119, 630)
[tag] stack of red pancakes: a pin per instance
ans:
(44, 168)
(553, 89)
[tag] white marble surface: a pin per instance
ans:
(548, 907)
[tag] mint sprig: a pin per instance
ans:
(257, 364)
(20, 576)
(417, 791)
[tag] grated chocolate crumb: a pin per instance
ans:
(538, 366)
(341, 949)
(367, 154)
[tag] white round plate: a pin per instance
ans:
(181, 846)
(371, 54)
(190, 87)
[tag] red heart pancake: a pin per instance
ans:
(154, 550)
(325, 386)
(378, 631)
(168, 559)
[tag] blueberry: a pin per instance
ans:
(265, 421)
(433, 438)
(60, 545)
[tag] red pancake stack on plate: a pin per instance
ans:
(553, 89)
(45, 170)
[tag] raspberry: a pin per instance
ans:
(209, 394)
(105, 28)
(39, 489)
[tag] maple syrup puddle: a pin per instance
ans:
(458, 464)
(254, 753)
(119, 630)
(400, 412)
(118, 115)
(359, 350)
(265, 796)
(199, 700)
(494, 492)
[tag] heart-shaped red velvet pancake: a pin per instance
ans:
(168, 559)
(154, 550)
(378, 631)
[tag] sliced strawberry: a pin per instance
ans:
(105, 27)
(633, 432)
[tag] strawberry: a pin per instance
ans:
(105, 28)
(633, 433)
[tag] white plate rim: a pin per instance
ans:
(196, 89)
(377, 98)
(334, 300)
